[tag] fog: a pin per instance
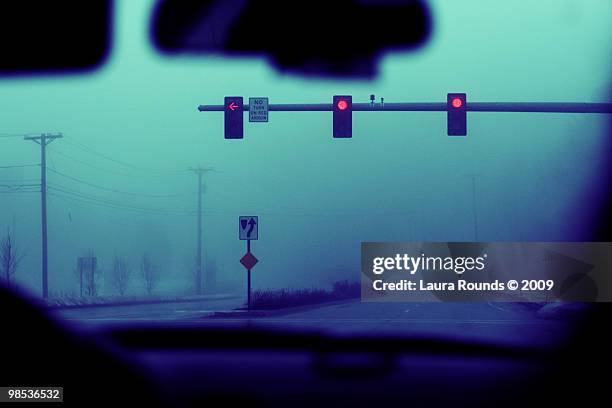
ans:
(119, 184)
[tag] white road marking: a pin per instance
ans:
(378, 321)
(494, 306)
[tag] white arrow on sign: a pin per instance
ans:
(248, 227)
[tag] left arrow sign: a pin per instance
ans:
(233, 117)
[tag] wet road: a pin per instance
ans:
(510, 323)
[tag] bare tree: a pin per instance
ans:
(10, 257)
(191, 264)
(88, 274)
(121, 274)
(91, 285)
(149, 273)
(211, 274)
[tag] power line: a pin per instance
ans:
(18, 134)
(112, 206)
(82, 196)
(19, 166)
(114, 190)
(286, 211)
(53, 193)
(19, 185)
(19, 188)
(19, 191)
(118, 206)
(105, 170)
(141, 168)
(18, 180)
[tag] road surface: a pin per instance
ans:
(510, 323)
(149, 312)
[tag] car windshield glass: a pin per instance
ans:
(140, 179)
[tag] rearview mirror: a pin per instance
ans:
(49, 37)
(342, 38)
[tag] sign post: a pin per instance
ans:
(248, 229)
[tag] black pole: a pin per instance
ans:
(199, 255)
(249, 290)
(547, 107)
(248, 278)
(43, 140)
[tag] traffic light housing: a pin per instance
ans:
(456, 107)
(343, 116)
(234, 121)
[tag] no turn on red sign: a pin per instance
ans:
(258, 109)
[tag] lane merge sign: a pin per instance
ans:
(258, 109)
(248, 227)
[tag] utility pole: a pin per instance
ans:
(474, 204)
(43, 140)
(200, 172)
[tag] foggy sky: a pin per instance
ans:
(399, 179)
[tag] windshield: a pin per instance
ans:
(137, 165)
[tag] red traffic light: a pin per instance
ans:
(233, 117)
(456, 108)
(342, 107)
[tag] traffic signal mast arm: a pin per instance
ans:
(342, 108)
(545, 107)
